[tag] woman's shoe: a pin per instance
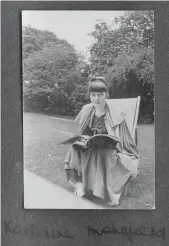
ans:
(113, 203)
(80, 190)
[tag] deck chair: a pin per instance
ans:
(129, 108)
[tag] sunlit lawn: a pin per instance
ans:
(44, 157)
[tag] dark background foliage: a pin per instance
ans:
(55, 76)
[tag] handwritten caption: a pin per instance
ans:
(129, 232)
(33, 231)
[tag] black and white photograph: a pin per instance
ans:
(88, 109)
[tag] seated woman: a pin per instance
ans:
(104, 170)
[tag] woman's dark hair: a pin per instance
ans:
(93, 86)
(98, 78)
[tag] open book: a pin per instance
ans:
(86, 141)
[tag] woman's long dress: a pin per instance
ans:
(98, 168)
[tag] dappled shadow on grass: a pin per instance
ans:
(44, 157)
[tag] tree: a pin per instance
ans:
(125, 55)
(52, 73)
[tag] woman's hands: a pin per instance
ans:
(85, 137)
(96, 131)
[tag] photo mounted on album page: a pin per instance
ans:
(88, 109)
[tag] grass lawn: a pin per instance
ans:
(45, 158)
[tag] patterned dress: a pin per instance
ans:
(87, 164)
(97, 126)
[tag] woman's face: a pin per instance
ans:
(98, 98)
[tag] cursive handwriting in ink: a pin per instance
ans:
(33, 231)
(128, 231)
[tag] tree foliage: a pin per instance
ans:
(131, 31)
(52, 72)
(124, 53)
(35, 40)
(47, 67)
